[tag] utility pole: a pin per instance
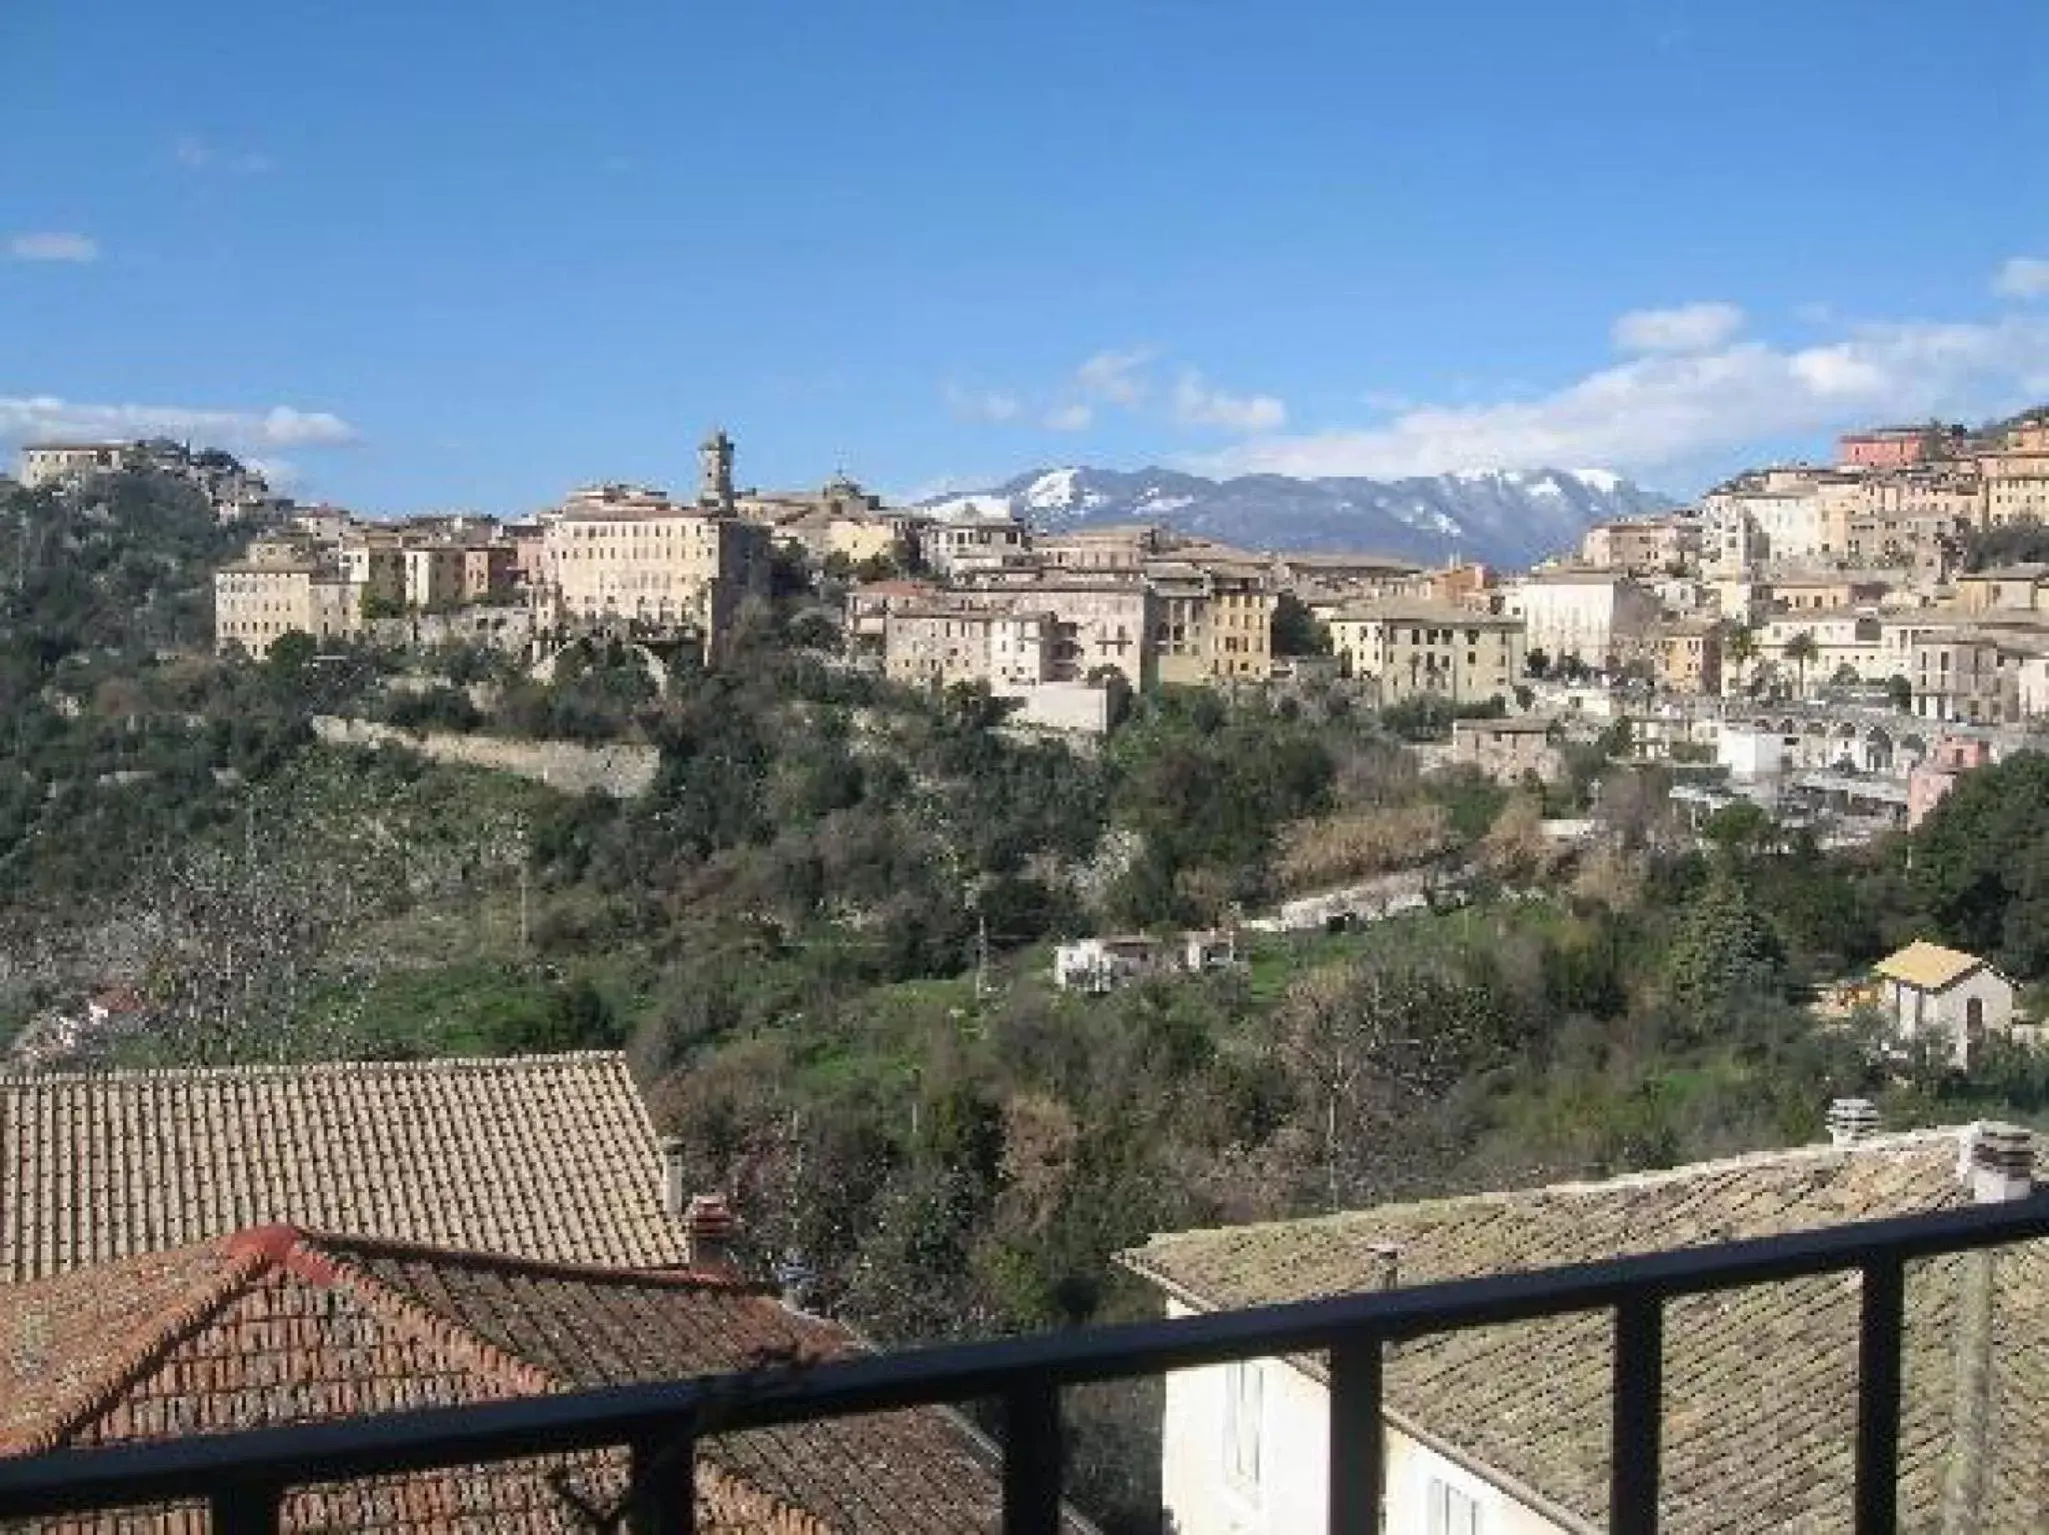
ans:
(981, 954)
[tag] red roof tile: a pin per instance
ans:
(274, 1325)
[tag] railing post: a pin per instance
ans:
(1878, 1395)
(1031, 1457)
(245, 1508)
(661, 1496)
(1356, 1444)
(1637, 1429)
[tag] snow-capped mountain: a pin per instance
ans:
(1505, 517)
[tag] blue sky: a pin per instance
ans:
(470, 253)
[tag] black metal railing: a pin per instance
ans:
(244, 1477)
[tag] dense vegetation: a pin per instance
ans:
(823, 934)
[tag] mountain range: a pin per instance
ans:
(1502, 517)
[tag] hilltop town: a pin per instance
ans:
(868, 926)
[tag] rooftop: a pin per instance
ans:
(278, 1325)
(1421, 611)
(547, 1156)
(1760, 1383)
(1928, 966)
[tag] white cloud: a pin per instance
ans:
(2022, 277)
(1076, 417)
(1670, 409)
(982, 404)
(196, 154)
(53, 245)
(1687, 328)
(1116, 377)
(278, 473)
(29, 418)
(1196, 404)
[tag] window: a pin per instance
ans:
(1242, 1407)
(1452, 1512)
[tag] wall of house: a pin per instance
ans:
(1292, 1489)
(1948, 1011)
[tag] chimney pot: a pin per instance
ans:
(1390, 1256)
(709, 1227)
(675, 1192)
(2002, 1162)
(1851, 1120)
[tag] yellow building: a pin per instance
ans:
(664, 567)
(1211, 623)
(1414, 650)
(1686, 657)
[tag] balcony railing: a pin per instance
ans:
(244, 1477)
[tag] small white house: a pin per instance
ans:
(1099, 965)
(1929, 990)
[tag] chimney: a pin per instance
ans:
(2002, 1163)
(793, 1275)
(1390, 1256)
(675, 1192)
(1851, 1120)
(709, 1227)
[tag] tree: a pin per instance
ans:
(1899, 692)
(1723, 952)
(1295, 629)
(1980, 863)
(1741, 651)
(1800, 650)
(1372, 1043)
(1537, 664)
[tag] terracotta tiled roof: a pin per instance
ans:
(275, 1326)
(544, 1156)
(1760, 1383)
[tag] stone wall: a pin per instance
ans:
(622, 771)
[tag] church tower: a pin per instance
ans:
(715, 471)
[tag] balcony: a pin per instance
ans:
(243, 1478)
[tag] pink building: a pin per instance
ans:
(1930, 781)
(1895, 447)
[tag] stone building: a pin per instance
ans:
(1212, 622)
(53, 463)
(647, 562)
(1407, 650)
(1686, 656)
(2017, 473)
(256, 602)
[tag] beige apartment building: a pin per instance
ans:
(255, 604)
(52, 463)
(2017, 588)
(646, 562)
(1125, 548)
(1097, 626)
(2017, 475)
(1686, 656)
(1407, 650)
(1640, 546)
(942, 643)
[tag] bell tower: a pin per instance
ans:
(715, 470)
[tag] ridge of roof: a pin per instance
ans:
(1898, 1141)
(439, 1065)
